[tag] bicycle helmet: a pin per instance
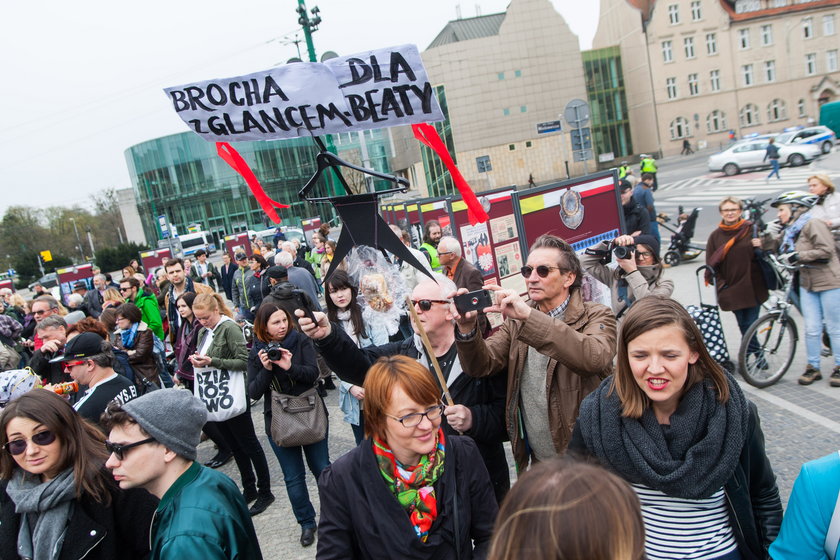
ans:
(800, 198)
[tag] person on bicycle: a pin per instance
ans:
(730, 252)
(809, 242)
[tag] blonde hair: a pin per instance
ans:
(211, 302)
(731, 200)
(824, 179)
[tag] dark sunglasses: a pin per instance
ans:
(542, 270)
(426, 304)
(18, 446)
(119, 449)
(124, 289)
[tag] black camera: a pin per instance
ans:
(273, 351)
(624, 252)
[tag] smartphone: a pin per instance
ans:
(302, 302)
(473, 301)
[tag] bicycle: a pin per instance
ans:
(769, 345)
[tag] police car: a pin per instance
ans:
(821, 136)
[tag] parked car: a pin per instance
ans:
(821, 136)
(47, 281)
(749, 154)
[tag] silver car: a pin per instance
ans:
(749, 154)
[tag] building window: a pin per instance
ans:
(671, 87)
(828, 25)
(714, 80)
(749, 115)
(693, 85)
(776, 111)
(716, 121)
(831, 60)
(517, 73)
(511, 147)
(778, 3)
(679, 129)
(807, 27)
(501, 75)
(674, 14)
(770, 71)
(696, 14)
(744, 6)
(766, 35)
(800, 107)
(483, 164)
(810, 64)
(744, 38)
(528, 144)
(523, 108)
(688, 43)
(711, 43)
(667, 52)
(506, 111)
(747, 74)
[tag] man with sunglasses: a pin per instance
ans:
(52, 331)
(43, 307)
(89, 361)
(202, 514)
(555, 348)
(479, 412)
(134, 292)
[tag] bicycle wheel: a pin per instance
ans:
(775, 345)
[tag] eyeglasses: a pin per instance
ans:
(444, 253)
(642, 255)
(18, 446)
(39, 313)
(542, 270)
(125, 290)
(119, 449)
(729, 210)
(426, 304)
(68, 365)
(414, 419)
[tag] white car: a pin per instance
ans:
(821, 136)
(749, 154)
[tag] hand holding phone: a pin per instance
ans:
(473, 301)
(302, 303)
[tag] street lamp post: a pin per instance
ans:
(78, 239)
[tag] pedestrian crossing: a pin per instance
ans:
(711, 189)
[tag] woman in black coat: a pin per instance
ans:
(52, 475)
(678, 428)
(408, 490)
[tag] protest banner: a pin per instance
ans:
(375, 89)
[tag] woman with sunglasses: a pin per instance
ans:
(344, 309)
(56, 498)
(678, 428)
(637, 276)
(429, 493)
(135, 337)
(295, 372)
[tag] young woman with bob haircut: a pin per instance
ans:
(569, 509)
(293, 374)
(407, 491)
(678, 428)
(136, 338)
(57, 499)
(221, 345)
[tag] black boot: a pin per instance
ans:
(262, 503)
(219, 460)
(307, 536)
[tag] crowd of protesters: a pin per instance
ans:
(630, 441)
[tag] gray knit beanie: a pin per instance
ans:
(174, 417)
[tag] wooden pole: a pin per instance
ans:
(429, 351)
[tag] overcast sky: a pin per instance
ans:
(83, 81)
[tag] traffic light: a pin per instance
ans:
(303, 20)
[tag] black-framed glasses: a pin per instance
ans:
(444, 253)
(18, 446)
(542, 270)
(125, 289)
(119, 449)
(642, 255)
(412, 420)
(426, 304)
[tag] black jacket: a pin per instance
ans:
(95, 531)
(752, 497)
(353, 491)
(299, 378)
(484, 396)
(301, 262)
(636, 218)
(281, 294)
(226, 278)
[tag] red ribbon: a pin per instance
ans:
(238, 163)
(427, 135)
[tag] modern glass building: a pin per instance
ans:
(438, 178)
(182, 177)
(610, 122)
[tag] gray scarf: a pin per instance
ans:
(45, 509)
(691, 458)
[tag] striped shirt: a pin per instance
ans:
(677, 528)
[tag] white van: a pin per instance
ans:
(192, 242)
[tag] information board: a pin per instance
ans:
(72, 274)
(154, 259)
(236, 242)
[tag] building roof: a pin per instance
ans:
(469, 28)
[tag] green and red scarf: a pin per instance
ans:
(413, 486)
